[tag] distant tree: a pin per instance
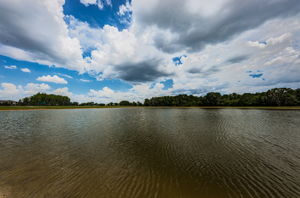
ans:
(212, 99)
(281, 97)
(230, 99)
(7, 103)
(147, 102)
(247, 99)
(88, 104)
(272, 97)
(125, 103)
(297, 94)
(75, 104)
(42, 99)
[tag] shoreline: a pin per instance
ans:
(28, 108)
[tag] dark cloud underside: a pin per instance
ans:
(194, 31)
(141, 72)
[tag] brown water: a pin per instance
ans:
(143, 152)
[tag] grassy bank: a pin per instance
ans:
(96, 107)
(46, 107)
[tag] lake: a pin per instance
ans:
(150, 152)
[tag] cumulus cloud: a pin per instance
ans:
(237, 59)
(140, 54)
(217, 42)
(141, 71)
(26, 70)
(191, 25)
(124, 9)
(136, 93)
(10, 67)
(33, 88)
(120, 54)
(104, 95)
(63, 92)
(10, 91)
(131, 56)
(54, 79)
(88, 2)
(125, 13)
(35, 31)
(99, 3)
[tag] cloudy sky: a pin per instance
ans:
(110, 50)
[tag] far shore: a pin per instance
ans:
(24, 108)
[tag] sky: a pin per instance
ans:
(112, 50)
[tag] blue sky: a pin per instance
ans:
(77, 83)
(93, 15)
(108, 50)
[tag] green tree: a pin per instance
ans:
(212, 99)
(42, 99)
(281, 97)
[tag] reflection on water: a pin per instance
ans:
(143, 152)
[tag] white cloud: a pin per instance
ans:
(10, 67)
(282, 38)
(33, 88)
(53, 79)
(136, 93)
(88, 2)
(120, 54)
(63, 92)
(192, 25)
(116, 53)
(9, 91)
(99, 3)
(65, 75)
(26, 70)
(219, 46)
(36, 31)
(84, 80)
(125, 13)
(109, 3)
(124, 9)
(257, 44)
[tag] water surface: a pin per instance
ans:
(144, 152)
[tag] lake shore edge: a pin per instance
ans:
(24, 108)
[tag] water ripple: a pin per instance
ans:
(140, 152)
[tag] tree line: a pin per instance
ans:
(42, 99)
(272, 97)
